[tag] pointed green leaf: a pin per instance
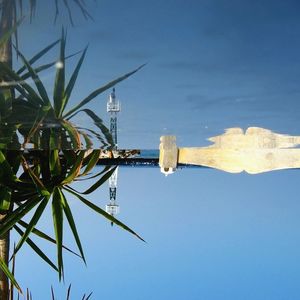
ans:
(72, 134)
(71, 222)
(12, 218)
(46, 237)
(57, 214)
(95, 175)
(36, 249)
(5, 198)
(84, 11)
(37, 81)
(103, 213)
(54, 139)
(59, 86)
(9, 275)
(99, 182)
(46, 66)
(54, 161)
(41, 114)
(20, 85)
(99, 123)
(92, 160)
(87, 139)
(37, 182)
(75, 169)
(68, 292)
(32, 4)
(6, 173)
(99, 91)
(5, 103)
(93, 133)
(89, 296)
(69, 11)
(38, 56)
(71, 83)
(52, 293)
(40, 209)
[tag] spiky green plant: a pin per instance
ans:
(28, 295)
(84, 297)
(10, 12)
(59, 155)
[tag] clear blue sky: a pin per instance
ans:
(212, 64)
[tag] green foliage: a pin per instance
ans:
(17, 7)
(43, 153)
(6, 271)
(68, 295)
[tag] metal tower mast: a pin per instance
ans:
(113, 107)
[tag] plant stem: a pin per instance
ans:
(4, 254)
(5, 56)
(5, 25)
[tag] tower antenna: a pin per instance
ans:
(113, 107)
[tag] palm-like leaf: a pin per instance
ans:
(18, 9)
(35, 248)
(37, 182)
(37, 56)
(99, 91)
(57, 213)
(6, 271)
(62, 157)
(59, 85)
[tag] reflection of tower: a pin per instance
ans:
(113, 107)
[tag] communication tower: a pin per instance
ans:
(113, 107)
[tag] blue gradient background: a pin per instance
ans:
(212, 64)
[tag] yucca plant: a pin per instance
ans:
(28, 295)
(12, 10)
(59, 153)
(68, 296)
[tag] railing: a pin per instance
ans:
(113, 107)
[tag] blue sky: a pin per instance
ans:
(211, 65)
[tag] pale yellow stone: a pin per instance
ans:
(168, 154)
(255, 151)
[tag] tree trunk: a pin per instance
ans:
(5, 56)
(5, 25)
(4, 254)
